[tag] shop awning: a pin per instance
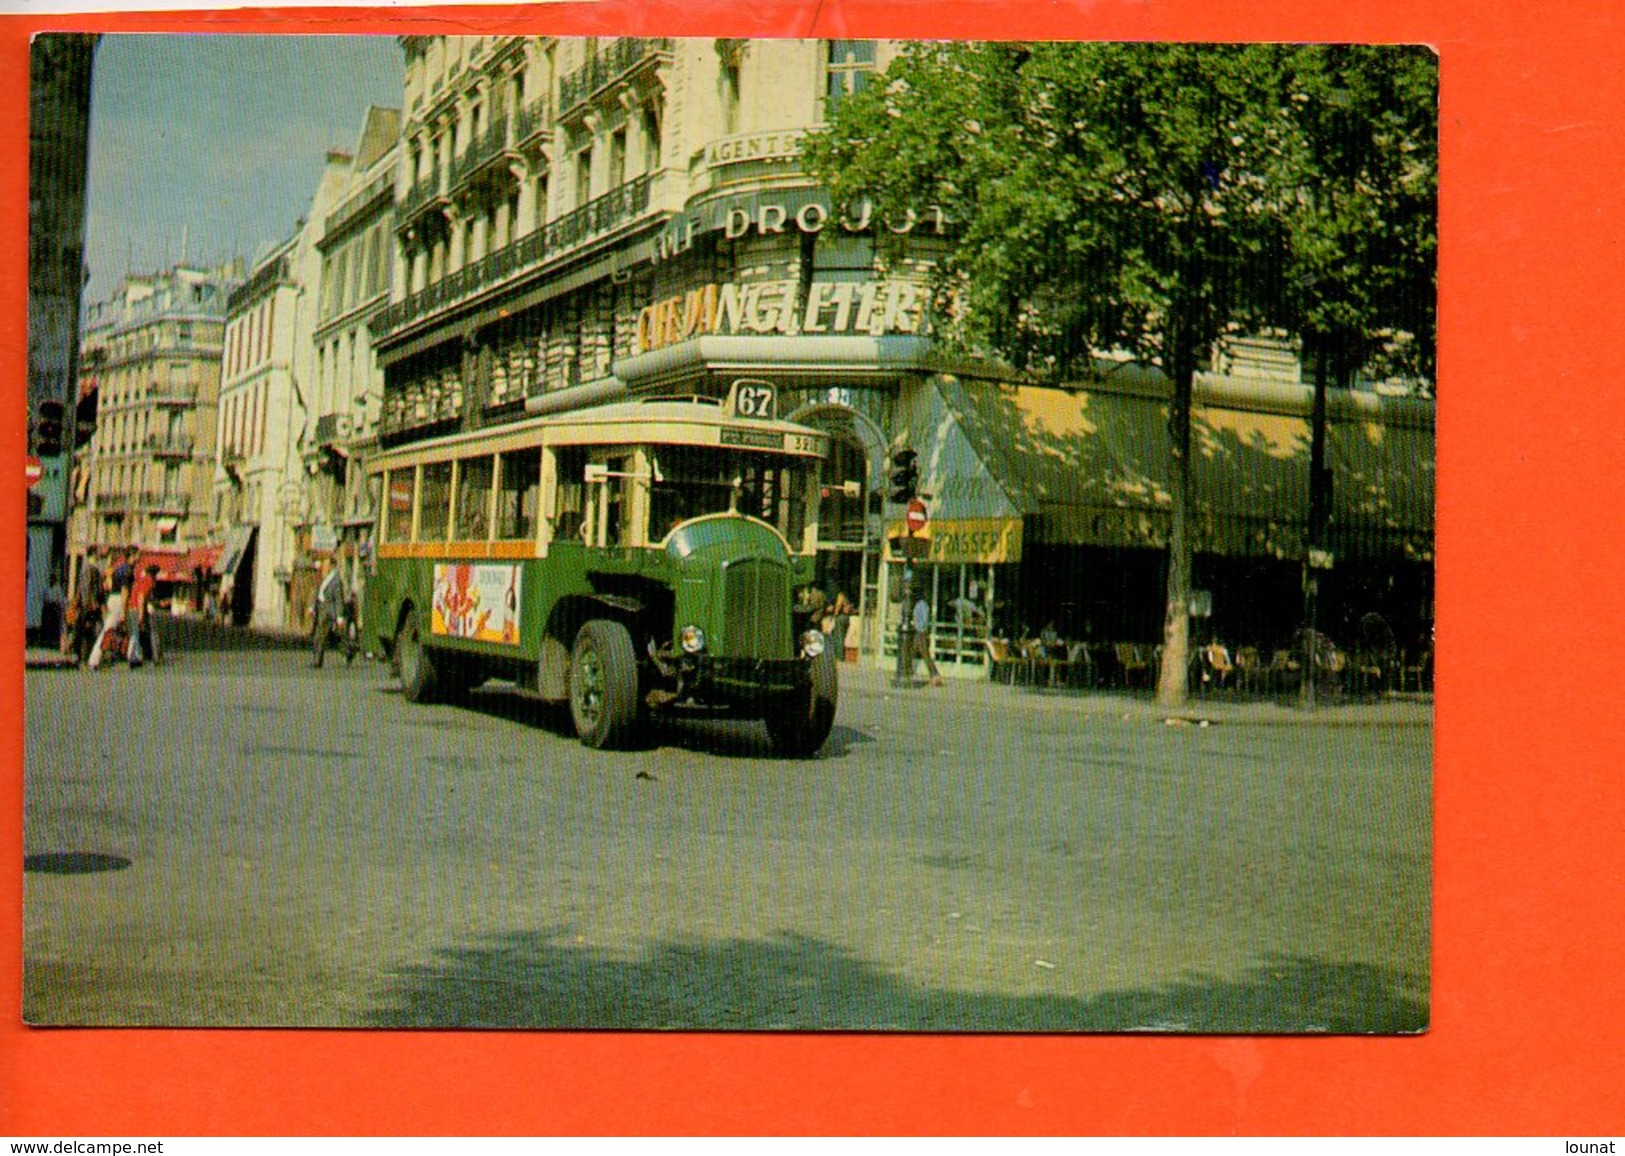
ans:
(200, 562)
(1090, 466)
(238, 540)
(168, 563)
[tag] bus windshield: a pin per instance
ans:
(691, 481)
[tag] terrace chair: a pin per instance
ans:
(1249, 672)
(1003, 663)
(1415, 670)
(1135, 661)
(1284, 671)
(1079, 665)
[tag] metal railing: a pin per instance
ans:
(597, 217)
(170, 445)
(160, 393)
(359, 204)
(418, 198)
(165, 502)
(532, 120)
(620, 59)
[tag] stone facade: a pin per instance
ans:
(152, 355)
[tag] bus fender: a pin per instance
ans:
(553, 670)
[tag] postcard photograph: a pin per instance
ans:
(702, 534)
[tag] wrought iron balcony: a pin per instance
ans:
(160, 393)
(359, 205)
(170, 445)
(332, 429)
(166, 502)
(619, 60)
(593, 219)
(532, 121)
(481, 151)
(419, 198)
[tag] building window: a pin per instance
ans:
(847, 70)
(617, 158)
(729, 52)
(651, 137)
(583, 176)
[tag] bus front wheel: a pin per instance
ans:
(418, 675)
(604, 685)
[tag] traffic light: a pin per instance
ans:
(48, 429)
(905, 475)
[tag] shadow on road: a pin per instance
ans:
(720, 736)
(792, 982)
(184, 635)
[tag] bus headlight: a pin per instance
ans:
(812, 644)
(692, 639)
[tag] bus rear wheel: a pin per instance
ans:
(604, 685)
(798, 723)
(419, 679)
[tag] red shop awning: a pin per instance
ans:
(168, 564)
(200, 562)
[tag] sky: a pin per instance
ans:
(217, 141)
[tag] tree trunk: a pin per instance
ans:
(1172, 677)
(1315, 530)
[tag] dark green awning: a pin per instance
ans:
(1090, 466)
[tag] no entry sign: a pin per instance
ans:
(915, 517)
(33, 471)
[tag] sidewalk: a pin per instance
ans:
(179, 636)
(1218, 708)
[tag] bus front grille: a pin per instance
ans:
(756, 610)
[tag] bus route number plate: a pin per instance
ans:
(755, 399)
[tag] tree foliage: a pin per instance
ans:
(1153, 197)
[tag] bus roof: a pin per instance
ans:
(697, 421)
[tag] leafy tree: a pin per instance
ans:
(1112, 196)
(1362, 236)
(1119, 196)
(1362, 233)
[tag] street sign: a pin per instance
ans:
(915, 517)
(33, 470)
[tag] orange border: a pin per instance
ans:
(1531, 813)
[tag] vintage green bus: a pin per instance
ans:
(628, 559)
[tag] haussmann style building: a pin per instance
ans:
(578, 220)
(150, 358)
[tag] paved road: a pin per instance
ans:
(233, 838)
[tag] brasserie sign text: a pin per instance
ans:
(864, 308)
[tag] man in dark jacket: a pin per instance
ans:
(333, 611)
(88, 601)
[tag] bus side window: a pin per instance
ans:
(569, 500)
(473, 499)
(617, 510)
(399, 486)
(434, 504)
(521, 490)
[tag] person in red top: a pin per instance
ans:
(142, 644)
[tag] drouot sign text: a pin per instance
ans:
(789, 211)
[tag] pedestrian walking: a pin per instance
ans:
(143, 646)
(114, 613)
(89, 602)
(838, 619)
(922, 641)
(334, 614)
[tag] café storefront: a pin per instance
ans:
(1051, 507)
